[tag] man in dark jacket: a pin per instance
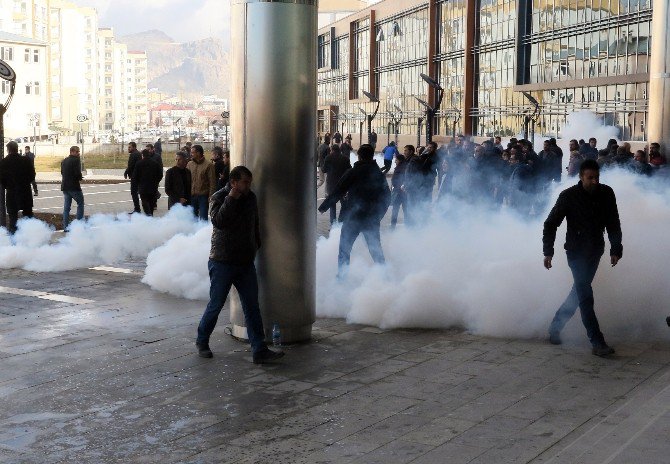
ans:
(398, 196)
(235, 241)
(146, 175)
(590, 209)
(17, 173)
(70, 169)
(178, 182)
(31, 156)
(334, 166)
(133, 157)
(321, 153)
(368, 198)
(221, 166)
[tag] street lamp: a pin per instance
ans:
(528, 118)
(431, 111)
(370, 117)
(360, 126)
(6, 74)
(226, 121)
(81, 119)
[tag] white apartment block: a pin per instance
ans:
(28, 18)
(106, 78)
(120, 87)
(137, 94)
(73, 66)
(28, 113)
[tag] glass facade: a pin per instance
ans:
(568, 55)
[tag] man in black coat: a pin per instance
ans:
(398, 195)
(133, 157)
(70, 169)
(334, 166)
(590, 209)
(17, 173)
(178, 182)
(146, 175)
(368, 198)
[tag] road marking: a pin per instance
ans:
(118, 270)
(45, 295)
(85, 193)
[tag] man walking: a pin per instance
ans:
(368, 198)
(335, 165)
(70, 169)
(390, 151)
(178, 182)
(147, 174)
(133, 157)
(17, 174)
(31, 156)
(203, 183)
(590, 209)
(235, 241)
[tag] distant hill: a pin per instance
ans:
(193, 68)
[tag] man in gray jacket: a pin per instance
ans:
(235, 241)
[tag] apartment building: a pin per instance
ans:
(138, 101)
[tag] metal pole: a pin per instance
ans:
(369, 118)
(3, 210)
(658, 118)
(418, 132)
(81, 133)
(274, 63)
(360, 134)
(430, 114)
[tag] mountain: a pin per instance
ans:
(192, 69)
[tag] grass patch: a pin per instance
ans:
(93, 161)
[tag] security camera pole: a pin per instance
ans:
(6, 74)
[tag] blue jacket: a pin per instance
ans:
(389, 152)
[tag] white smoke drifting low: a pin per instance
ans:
(475, 268)
(103, 239)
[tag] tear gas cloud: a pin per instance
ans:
(103, 239)
(471, 266)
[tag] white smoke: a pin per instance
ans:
(102, 239)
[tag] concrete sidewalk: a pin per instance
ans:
(98, 175)
(95, 367)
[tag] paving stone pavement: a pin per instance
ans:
(113, 377)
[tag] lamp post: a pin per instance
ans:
(396, 122)
(35, 121)
(81, 119)
(360, 126)
(419, 121)
(431, 111)
(6, 74)
(532, 117)
(370, 117)
(226, 118)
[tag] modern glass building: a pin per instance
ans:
(501, 62)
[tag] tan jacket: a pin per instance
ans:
(203, 177)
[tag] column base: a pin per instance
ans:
(288, 334)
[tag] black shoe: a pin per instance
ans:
(602, 350)
(35, 194)
(267, 356)
(204, 351)
(667, 320)
(555, 338)
(135, 211)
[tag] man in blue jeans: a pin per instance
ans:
(590, 208)
(235, 241)
(70, 169)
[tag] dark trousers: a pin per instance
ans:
(68, 196)
(200, 206)
(387, 165)
(583, 267)
(398, 199)
(13, 217)
(35, 187)
(333, 212)
(148, 203)
(222, 276)
(135, 195)
(351, 229)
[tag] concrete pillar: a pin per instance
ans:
(658, 119)
(273, 117)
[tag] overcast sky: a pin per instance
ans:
(183, 20)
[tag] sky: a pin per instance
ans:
(183, 20)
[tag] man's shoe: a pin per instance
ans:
(204, 351)
(602, 350)
(555, 338)
(135, 212)
(267, 356)
(35, 194)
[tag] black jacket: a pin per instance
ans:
(177, 185)
(70, 169)
(335, 165)
(236, 232)
(133, 157)
(367, 193)
(588, 215)
(16, 175)
(398, 177)
(147, 174)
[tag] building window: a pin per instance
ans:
(27, 55)
(36, 56)
(323, 55)
(7, 53)
(5, 86)
(28, 85)
(37, 88)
